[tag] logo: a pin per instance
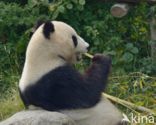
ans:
(142, 119)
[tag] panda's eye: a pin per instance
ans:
(74, 40)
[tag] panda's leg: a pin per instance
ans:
(104, 113)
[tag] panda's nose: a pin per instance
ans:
(87, 45)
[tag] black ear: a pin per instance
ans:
(47, 29)
(37, 25)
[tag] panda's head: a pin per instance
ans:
(60, 40)
(53, 44)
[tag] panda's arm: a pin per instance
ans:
(65, 88)
(99, 70)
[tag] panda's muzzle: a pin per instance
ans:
(78, 56)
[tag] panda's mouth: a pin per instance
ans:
(77, 55)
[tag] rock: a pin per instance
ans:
(38, 117)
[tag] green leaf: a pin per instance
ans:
(55, 15)
(61, 9)
(113, 53)
(75, 1)
(32, 2)
(82, 2)
(69, 6)
(129, 46)
(127, 57)
(134, 50)
(80, 7)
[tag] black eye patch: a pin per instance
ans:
(74, 40)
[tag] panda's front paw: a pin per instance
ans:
(101, 59)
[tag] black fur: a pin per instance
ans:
(47, 29)
(74, 40)
(65, 88)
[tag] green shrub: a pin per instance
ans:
(126, 40)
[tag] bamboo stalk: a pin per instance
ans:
(88, 55)
(129, 104)
(123, 102)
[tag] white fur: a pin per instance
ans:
(104, 113)
(82, 45)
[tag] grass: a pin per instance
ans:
(10, 101)
(137, 88)
(10, 105)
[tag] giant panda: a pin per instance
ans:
(50, 82)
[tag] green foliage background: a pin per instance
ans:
(126, 40)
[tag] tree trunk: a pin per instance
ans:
(119, 10)
(137, 1)
(153, 39)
